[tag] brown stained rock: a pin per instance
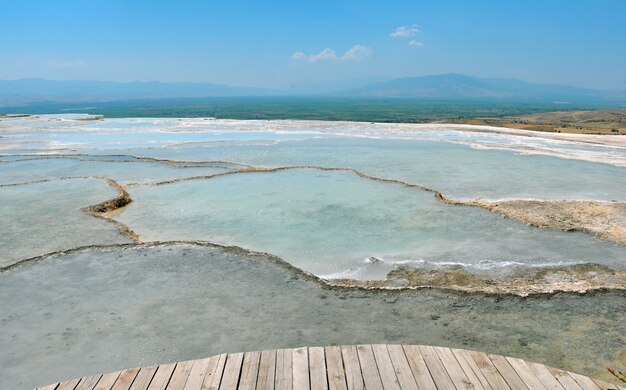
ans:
(605, 220)
(521, 281)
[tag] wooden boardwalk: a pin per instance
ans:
(378, 366)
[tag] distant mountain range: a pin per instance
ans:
(40, 90)
(445, 86)
(456, 86)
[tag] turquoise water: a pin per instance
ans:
(124, 172)
(104, 309)
(456, 170)
(329, 223)
(46, 217)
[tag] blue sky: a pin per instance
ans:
(279, 44)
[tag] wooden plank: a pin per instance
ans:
(284, 369)
(107, 380)
(352, 367)
(143, 378)
(180, 375)
(232, 371)
(267, 370)
(249, 370)
(401, 367)
(369, 369)
(126, 378)
(68, 385)
(510, 376)
(385, 367)
(564, 379)
(49, 387)
(317, 368)
(585, 382)
(487, 368)
(378, 366)
(214, 372)
(334, 368)
(548, 380)
(88, 382)
(300, 358)
(418, 367)
(162, 376)
(197, 374)
(471, 370)
(436, 368)
(460, 379)
(605, 385)
(524, 372)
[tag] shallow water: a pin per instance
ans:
(330, 223)
(124, 171)
(456, 170)
(94, 310)
(99, 311)
(155, 132)
(46, 217)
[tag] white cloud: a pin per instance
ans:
(355, 53)
(298, 56)
(405, 31)
(67, 64)
(415, 43)
(325, 55)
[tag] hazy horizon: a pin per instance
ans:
(341, 83)
(282, 45)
